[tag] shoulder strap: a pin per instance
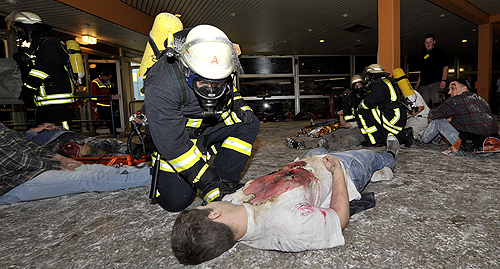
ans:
(180, 79)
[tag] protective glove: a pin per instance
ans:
(216, 189)
(26, 93)
(243, 111)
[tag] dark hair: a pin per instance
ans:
(429, 36)
(106, 72)
(196, 239)
(463, 82)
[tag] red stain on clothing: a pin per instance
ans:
(324, 215)
(306, 209)
(286, 178)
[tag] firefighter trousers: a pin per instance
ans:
(175, 193)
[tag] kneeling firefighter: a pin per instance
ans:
(194, 111)
(380, 113)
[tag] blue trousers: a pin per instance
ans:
(360, 164)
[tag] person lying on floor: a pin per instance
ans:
(29, 171)
(302, 206)
(73, 144)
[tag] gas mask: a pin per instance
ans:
(212, 94)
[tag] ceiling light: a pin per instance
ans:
(11, 1)
(345, 15)
(321, 41)
(232, 14)
(473, 30)
(464, 40)
(89, 39)
(86, 25)
(309, 30)
(442, 15)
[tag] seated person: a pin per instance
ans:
(29, 171)
(302, 206)
(417, 120)
(471, 118)
(56, 139)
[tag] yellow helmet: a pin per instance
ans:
(208, 52)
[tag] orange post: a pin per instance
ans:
(389, 34)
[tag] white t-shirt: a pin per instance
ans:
(292, 214)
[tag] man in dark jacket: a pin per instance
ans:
(195, 112)
(45, 68)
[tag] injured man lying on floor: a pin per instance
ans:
(302, 206)
(73, 144)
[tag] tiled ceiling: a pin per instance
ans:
(278, 26)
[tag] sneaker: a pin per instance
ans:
(382, 175)
(437, 140)
(409, 136)
(393, 146)
(292, 143)
(323, 143)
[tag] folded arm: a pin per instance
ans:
(340, 199)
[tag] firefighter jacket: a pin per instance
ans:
(380, 108)
(98, 87)
(49, 74)
(350, 106)
(175, 122)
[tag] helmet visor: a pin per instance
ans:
(210, 89)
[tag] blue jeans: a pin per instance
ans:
(440, 126)
(86, 178)
(360, 164)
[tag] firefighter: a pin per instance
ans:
(194, 111)
(102, 86)
(353, 98)
(46, 69)
(380, 112)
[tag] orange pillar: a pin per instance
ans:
(389, 39)
(484, 60)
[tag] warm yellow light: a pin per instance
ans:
(321, 41)
(464, 40)
(92, 65)
(178, 15)
(89, 39)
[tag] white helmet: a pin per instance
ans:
(208, 52)
(23, 17)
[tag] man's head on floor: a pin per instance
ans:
(193, 243)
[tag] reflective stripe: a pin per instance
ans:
(237, 98)
(394, 96)
(367, 131)
(183, 162)
(376, 115)
(100, 104)
(65, 125)
(362, 104)
(238, 145)
(38, 74)
(349, 117)
(194, 123)
(211, 195)
(245, 108)
(54, 96)
(28, 86)
(55, 102)
(200, 173)
(214, 149)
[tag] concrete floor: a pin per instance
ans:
(438, 212)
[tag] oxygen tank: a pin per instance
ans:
(75, 58)
(406, 88)
(165, 24)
